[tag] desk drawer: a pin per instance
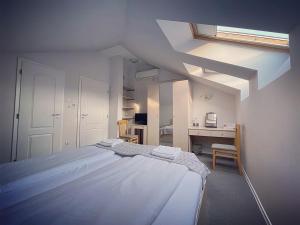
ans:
(193, 132)
(205, 133)
(228, 134)
(210, 133)
(215, 133)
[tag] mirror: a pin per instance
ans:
(166, 114)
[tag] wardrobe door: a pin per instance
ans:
(181, 114)
(41, 110)
(94, 106)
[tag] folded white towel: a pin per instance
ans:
(166, 152)
(110, 142)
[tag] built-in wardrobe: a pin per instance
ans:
(182, 98)
(181, 109)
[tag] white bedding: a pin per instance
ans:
(40, 182)
(101, 188)
(181, 209)
(16, 170)
(166, 130)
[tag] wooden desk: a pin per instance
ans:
(210, 132)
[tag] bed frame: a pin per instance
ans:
(201, 215)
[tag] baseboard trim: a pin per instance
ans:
(260, 206)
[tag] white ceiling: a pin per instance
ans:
(84, 25)
(63, 25)
(58, 25)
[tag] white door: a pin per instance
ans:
(94, 106)
(40, 111)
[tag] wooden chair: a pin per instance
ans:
(229, 151)
(123, 132)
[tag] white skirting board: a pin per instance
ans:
(260, 206)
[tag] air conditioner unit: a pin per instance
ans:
(147, 74)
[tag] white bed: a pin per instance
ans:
(96, 186)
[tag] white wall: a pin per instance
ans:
(90, 64)
(141, 87)
(7, 92)
(129, 73)
(116, 94)
(223, 104)
(2, 26)
(270, 119)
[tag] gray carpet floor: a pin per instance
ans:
(228, 199)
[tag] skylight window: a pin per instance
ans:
(241, 35)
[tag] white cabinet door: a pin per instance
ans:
(94, 106)
(40, 111)
(181, 114)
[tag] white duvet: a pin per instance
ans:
(12, 171)
(40, 182)
(126, 191)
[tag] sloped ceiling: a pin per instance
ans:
(57, 25)
(62, 25)
(239, 61)
(77, 25)
(174, 46)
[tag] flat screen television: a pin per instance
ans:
(140, 118)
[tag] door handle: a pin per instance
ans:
(84, 114)
(55, 114)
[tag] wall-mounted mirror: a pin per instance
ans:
(166, 114)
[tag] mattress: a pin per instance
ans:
(95, 186)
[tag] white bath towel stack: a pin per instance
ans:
(166, 152)
(110, 142)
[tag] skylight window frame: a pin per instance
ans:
(235, 37)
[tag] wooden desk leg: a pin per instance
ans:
(214, 159)
(239, 165)
(235, 162)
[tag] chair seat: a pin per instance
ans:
(129, 136)
(224, 147)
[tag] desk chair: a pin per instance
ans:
(123, 132)
(229, 151)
